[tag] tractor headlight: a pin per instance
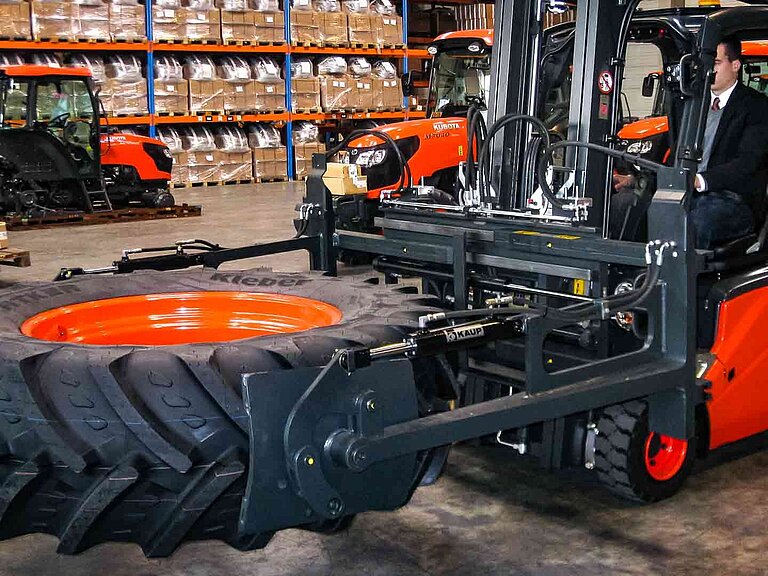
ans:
(640, 147)
(371, 157)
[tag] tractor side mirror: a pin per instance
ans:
(649, 83)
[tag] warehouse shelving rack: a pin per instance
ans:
(148, 48)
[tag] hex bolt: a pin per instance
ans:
(359, 456)
(370, 405)
(334, 506)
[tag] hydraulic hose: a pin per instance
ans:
(476, 134)
(484, 172)
(405, 170)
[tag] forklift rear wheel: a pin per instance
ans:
(635, 463)
(140, 435)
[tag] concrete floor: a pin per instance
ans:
(491, 513)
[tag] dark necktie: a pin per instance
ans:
(716, 104)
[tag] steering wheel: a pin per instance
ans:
(58, 121)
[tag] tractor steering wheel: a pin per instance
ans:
(58, 121)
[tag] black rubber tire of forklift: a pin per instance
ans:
(620, 455)
(150, 444)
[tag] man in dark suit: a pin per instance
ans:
(733, 172)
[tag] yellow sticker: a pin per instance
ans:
(558, 236)
(527, 233)
(579, 287)
(567, 237)
(461, 150)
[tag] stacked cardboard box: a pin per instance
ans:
(389, 29)
(269, 27)
(237, 26)
(387, 93)
(303, 153)
(172, 138)
(90, 19)
(15, 20)
(333, 29)
(124, 91)
(305, 93)
(206, 91)
(270, 163)
(171, 89)
(305, 27)
(201, 24)
(235, 161)
(167, 23)
(335, 93)
(239, 93)
(126, 21)
(51, 20)
(269, 96)
(361, 30)
(203, 166)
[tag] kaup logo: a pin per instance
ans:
(465, 333)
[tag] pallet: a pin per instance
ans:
(232, 42)
(394, 46)
(262, 112)
(187, 41)
(78, 218)
(241, 181)
(365, 45)
(80, 40)
(313, 110)
(335, 44)
(15, 38)
(138, 40)
(113, 114)
(262, 180)
(307, 44)
(15, 257)
(171, 114)
(211, 184)
(207, 113)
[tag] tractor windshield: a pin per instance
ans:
(756, 73)
(459, 79)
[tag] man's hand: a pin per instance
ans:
(700, 184)
(622, 181)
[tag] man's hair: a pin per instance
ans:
(732, 47)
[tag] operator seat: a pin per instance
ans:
(743, 251)
(473, 84)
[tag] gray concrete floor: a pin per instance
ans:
(492, 513)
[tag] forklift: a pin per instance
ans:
(266, 401)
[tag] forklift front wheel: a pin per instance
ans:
(635, 463)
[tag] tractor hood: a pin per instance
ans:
(128, 140)
(644, 128)
(425, 129)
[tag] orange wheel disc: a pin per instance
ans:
(664, 456)
(180, 318)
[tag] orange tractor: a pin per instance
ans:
(53, 155)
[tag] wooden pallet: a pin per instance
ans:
(55, 39)
(113, 114)
(189, 42)
(313, 110)
(81, 40)
(365, 45)
(394, 46)
(14, 38)
(78, 218)
(262, 180)
(207, 113)
(335, 44)
(14, 257)
(263, 112)
(171, 114)
(307, 44)
(240, 181)
(138, 40)
(233, 42)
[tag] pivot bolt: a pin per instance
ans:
(370, 405)
(359, 457)
(334, 506)
(309, 460)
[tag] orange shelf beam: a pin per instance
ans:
(418, 54)
(74, 46)
(209, 118)
(220, 48)
(126, 121)
(414, 114)
(388, 52)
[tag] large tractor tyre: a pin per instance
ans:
(633, 462)
(106, 441)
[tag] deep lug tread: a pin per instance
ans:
(16, 482)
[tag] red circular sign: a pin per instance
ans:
(605, 82)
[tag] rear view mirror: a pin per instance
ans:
(649, 83)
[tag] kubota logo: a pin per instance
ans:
(445, 126)
(457, 334)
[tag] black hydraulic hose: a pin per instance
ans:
(476, 133)
(405, 170)
(484, 174)
(541, 172)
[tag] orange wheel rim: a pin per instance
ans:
(180, 318)
(664, 456)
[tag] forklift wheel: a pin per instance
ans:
(637, 464)
(143, 437)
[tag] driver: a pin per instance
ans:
(60, 102)
(730, 186)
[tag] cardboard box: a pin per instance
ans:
(389, 29)
(90, 21)
(269, 96)
(206, 95)
(270, 163)
(15, 21)
(343, 179)
(303, 153)
(236, 166)
(124, 97)
(361, 29)
(333, 29)
(305, 27)
(180, 171)
(335, 92)
(363, 95)
(51, 20)
(204, 166)
(269, 27)
(201, 24)
(305, 93)
(126, 22)
(240, 96)
(238, 25)
(3, 235)
(387, 93)
(167, 23)
(171, 96)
